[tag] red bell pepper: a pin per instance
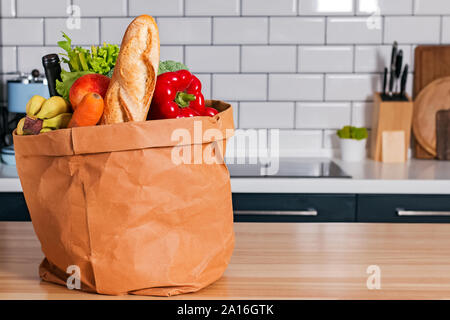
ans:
(178, 94)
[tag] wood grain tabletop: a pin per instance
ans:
(280, 261)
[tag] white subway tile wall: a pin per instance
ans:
(330, 139)
(373, 58)
(343, 87)
(8, 63)
(240, 87)
(295, 87)
(39, 8)
(102, 8)
(184, 30)
(205, 79)
(88, 34)
(295, 143)
(30, 57)
(269, 8)
(240, 30)
(306, 67)
(266, 115)
(384, 7)
(289, 30)
(413, 29)
(175, 53)
(8, 8)
(432, 7)
(361, 114)
(318, 115)
(213, 58)
(269, 58)
(113, 29)
(17, 32)
(156, 7)
(445, 30)
(352, 30)
(326, 7)
(325, 59)
(212, 7)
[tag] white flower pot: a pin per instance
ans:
(353, 150)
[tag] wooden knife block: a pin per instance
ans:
(390, 116)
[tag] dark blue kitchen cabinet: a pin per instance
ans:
(13, 207)
(276, 207)
(288, 207)
(403, 208)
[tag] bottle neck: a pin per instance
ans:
(52, 69)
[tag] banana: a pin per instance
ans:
(53, 107)
(44, 130)
(33, 125)
(58, 122)
(34, 105)
(19, 130)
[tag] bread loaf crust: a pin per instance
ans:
(133, 82)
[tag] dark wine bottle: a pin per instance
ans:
(52, 69)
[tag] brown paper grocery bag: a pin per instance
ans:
(111, 201)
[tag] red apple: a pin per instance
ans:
(96, 83)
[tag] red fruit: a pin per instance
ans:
(210, 112)
(88, 83)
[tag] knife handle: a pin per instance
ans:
(385, 80)
(398, 64)
(391, 81)
(394, 54)
(403, 81)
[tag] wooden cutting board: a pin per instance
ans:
(443, 135)
(430, 63)
(435, 97)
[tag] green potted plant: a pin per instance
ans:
(353, 143)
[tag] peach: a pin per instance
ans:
(88, 83)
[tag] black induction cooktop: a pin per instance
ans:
(286, 168)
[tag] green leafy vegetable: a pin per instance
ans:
(350, 132)
(68, 78)
(98, 60)
(170, 66)
(83, 61)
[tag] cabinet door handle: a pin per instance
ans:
(405, 213)
(308, 212)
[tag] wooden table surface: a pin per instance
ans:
(280, 261)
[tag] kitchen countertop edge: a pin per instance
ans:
(368, 177)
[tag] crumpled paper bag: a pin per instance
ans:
(110, 200)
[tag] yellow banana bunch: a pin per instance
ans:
(19, 130)
(34, 105)
(58, 122)
(44, 115)
(53, 107)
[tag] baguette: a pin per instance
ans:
(133, 82)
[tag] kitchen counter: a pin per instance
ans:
(368, 177)
(9, 180)
(413, 177)
(280, 261)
